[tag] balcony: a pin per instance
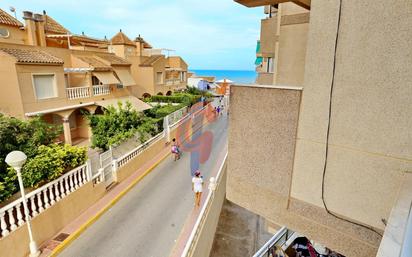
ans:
(265, 78)
(78, 92)
(173, 82)
(101, 90)
(268, 36)
(74, 93)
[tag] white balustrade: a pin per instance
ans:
(20, 220)
(3, 225)
(135, 152)
(101, 90)
(12, 215)
(77, 92)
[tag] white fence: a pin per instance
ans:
(12, 215)
(135, 152)
(77, 92)
(101, 90)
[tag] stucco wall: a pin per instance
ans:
(291, 53)
(268, 36)
(262, 134)
(370, 138)
(16, 35)
(10, 98)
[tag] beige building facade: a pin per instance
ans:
(46, 70)
(330, 145)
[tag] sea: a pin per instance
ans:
(237, 76)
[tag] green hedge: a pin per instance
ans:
(27, 136)
(51, 162)
(183, 98)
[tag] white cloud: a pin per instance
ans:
(219, 33)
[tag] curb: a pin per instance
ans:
(93, 219)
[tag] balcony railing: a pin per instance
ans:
(170, 82)
(77, 92)
(101, 90)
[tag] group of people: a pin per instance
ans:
(197, 180)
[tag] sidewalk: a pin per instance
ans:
(75, 228)
(194, 214)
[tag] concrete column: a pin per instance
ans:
(66, 131)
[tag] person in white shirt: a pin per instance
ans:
(197, 186)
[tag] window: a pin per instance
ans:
(96, 81)
(44, 86)
(4, 33)
(159, 77)
(270, 65)
(183, 76)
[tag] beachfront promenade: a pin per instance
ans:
(148, 220)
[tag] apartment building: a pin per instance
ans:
(329, 151)
(155, 73)
(51, 72)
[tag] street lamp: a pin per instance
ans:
(16, 159)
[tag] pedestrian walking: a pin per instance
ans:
(175, 150)
(218, 110)
(197, 187)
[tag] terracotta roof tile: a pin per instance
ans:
(94, 62)
(141, 40)
(32, 56)
(53, 27)
(7, 19)
(113, 59)
(150, 61)
(121, 39)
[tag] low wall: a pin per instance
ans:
(206, 236)
(52, 220)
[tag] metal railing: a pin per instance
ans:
(194, 236)
(406, 250)
(77, 92)
(277, 240)
(12, 215)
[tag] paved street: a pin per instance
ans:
(147, 221)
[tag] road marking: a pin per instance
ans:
(93, 219)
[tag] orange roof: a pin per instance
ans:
(150, 61)
(53, 27)
(7, 19)
(32, 56)
(94, 62)
(113, 59)
(121, 39)
(141, 40)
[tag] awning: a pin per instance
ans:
(125, 77)
(258, 61)
(106, 77)
(136, 103)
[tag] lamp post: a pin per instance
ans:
(16, 159)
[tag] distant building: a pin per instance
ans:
(47, 70)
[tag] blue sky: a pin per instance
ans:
(208, 34)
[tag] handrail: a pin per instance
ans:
(190, 242)
(406, 250)
(42, 188)
(275, 238)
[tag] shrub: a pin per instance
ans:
(114, 125)
(51, 162)
(26, 136)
